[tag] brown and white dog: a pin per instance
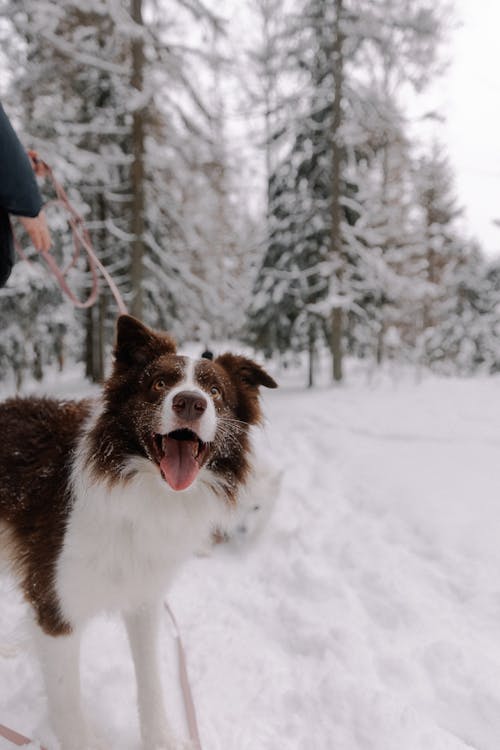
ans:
(101, 501)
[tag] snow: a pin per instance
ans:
(365, 614)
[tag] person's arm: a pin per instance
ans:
(19, 193)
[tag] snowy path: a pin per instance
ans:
(368, 613)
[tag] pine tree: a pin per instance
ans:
(129, 144)
(458, 317)
(441, 249)
(316, 191)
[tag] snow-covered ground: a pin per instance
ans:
(365, 615)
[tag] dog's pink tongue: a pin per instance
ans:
(178, 465)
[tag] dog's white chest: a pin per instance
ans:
(123, 545)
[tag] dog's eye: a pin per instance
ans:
(160, 384)
(215, 392)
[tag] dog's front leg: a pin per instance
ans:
(142, 628)
(60, 659)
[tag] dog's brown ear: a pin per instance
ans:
(137, 344)
(247, 376)
(246, 371)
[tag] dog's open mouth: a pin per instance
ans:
(180, 456)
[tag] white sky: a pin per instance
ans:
(468, 96)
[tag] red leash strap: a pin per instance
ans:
(17, 739)
(187, 695)
(81, 239)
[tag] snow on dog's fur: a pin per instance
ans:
(101, 501)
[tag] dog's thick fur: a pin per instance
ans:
(101, 501)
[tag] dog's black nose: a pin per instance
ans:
(189, 405)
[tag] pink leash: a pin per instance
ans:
(17, 739)
(187, 695)
(81, 239)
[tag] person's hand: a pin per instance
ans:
(40, 168)
(38, 231)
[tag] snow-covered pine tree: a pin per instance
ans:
(77, 121)
(468, 336)
(455, 310)
(85, 122)
(293, 278)
(487, 298)
(327, 146)
(379, 281)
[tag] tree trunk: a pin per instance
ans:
(311, 359)
(268, 84)
(381, 340)
(336, 326)
(37, 363)
(102, 303)
(89, 344)
(95, 317)
(101, 337)
(336, 322)
(59, 347)
(431, 274)
(93, 370)
(137, 171)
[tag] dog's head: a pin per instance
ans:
(187, 417)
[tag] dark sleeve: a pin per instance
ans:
(7, 256)
(19, 193)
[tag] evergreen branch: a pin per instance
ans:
(67, 49)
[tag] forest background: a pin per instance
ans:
(248, 171)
